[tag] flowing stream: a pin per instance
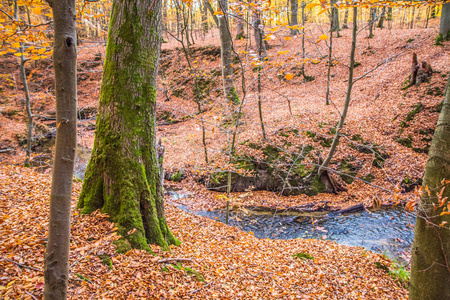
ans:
(389, 231)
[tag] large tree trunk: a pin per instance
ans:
(56, 263)
(444, 28)
(430, 271)
(123, 178)
(225, 53)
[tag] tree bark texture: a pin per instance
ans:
(258, 32)
(335, 20)
(122, 178)
(225, 54)
(430, 272)
(444, 28)
(56, 262)
(294, 16)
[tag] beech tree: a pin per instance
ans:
(56, 263)
(444, 27)
(430, 270)
(122, 177)
(225, 53)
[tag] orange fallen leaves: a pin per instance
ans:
(240, 268)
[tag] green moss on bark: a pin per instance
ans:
(122, 178)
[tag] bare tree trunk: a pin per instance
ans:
(257, 29)
(204, 18)
(373, 13)
(261, 60)
(225, 52)
(335, 20)
(444, 27)
(26, 90)
(330, 52)
(335, 143)
(344, 25)
(56, 262)
(303, 41)
(389, 14)
(430, 270)
(190, 10)
(294, 14)
(27, 105)
(382, 17)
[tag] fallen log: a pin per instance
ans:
(351, 209)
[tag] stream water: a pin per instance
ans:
(388, 231)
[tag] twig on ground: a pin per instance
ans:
(174, 259)
(22, 265)
(197, 290)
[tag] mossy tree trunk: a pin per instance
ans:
(430, 271)
(122, 178)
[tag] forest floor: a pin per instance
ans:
(215, 261)
(232, 263)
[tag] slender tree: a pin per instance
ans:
(326, 163)
(56, 262)
(430, 270)
(26, 89)
(122, 177)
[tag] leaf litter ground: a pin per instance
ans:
(220, 261)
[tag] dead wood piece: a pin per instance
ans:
(351, 209)
(164, 260)
(21, 265)
(414, 69)
(7, 150)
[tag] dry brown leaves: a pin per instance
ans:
(234, 264)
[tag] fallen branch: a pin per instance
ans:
(197, 290)
(174, 259)
(31, 295)
(7, 150)
(21, 265)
